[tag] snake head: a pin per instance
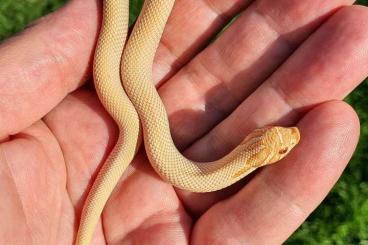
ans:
(280, 141)
(275, 142)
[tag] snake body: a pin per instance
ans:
(123, 81)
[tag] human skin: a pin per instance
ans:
(286, 62)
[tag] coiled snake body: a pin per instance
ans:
(123, 81)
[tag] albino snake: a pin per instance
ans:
(123, 81)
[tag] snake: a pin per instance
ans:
(122, 71)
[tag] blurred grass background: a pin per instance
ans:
(343, 216)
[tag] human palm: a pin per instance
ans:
(281, 62)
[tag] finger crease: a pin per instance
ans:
(6, 163)
(274, 27)
(211, 103)
(177, 63)
(224, 18)
(283, 96)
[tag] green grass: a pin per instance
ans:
(343, 216)
(15, 14)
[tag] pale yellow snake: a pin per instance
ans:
(135, 101)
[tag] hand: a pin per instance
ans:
(281, 62)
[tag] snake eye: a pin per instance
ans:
(283, 151)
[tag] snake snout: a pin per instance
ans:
(295, 135)
(289, 138)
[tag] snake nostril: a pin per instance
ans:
(283, 151)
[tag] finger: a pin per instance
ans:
(40, 66)
(327, 67)
(191, 25)
(223, 75)
(277, 201)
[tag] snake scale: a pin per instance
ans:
(123, 81)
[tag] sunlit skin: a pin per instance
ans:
(55, 134)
